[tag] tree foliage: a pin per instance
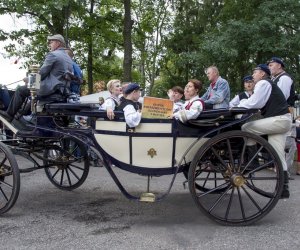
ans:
(172, 41)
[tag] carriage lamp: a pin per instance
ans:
(34, 82)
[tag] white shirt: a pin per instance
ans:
(236, 100)
(132, 117)
(110, 103)
(184, 115)
(284, 84)
(260, 96)
(177, 106)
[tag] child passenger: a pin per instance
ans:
(112, 102)
(175, 94)
(193, 105)
(130, 105)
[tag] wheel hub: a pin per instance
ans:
(237, 180)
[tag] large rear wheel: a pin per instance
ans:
(236, 187)
(9, 179)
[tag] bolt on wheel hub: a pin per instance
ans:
(237, 180)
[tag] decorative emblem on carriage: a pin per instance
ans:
(152, 152)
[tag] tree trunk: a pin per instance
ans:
(127, 63)
(90, 54)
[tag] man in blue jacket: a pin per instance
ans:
(218, 93)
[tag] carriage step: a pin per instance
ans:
(147, 197)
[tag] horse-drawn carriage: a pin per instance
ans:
(230, 185)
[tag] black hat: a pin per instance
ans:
(277, 60)
(247, 78)
(131, 87)
(263, 67)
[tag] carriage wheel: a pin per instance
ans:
(237, 188)
(69, 163)
(9, 179)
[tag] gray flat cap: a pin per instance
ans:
(57, 37)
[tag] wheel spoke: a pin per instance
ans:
(62, 177)
(229, 204)
(218, 157)
(230, 154)
(242, 155)
(71, 170)
(263, 166)
(6, 184)
(4, 159)
(53, 176)
(208, 174)
(75, 166)
(241, 203)
(252, 159)
(259, 191)
(69, 180)
(263, 178)
(210, 179)
(4, 195)
(214, 189)
(219, 199)
(252, 199)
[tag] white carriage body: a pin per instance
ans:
(150, 145)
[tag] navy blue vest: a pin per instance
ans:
(125, 102)
(276, 105)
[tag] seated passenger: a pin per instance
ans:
(112, 102)
(193, 105)
(248, 86)
(175, 95)
(218, 93)
(131, 106)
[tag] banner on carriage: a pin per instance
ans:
(157, 108)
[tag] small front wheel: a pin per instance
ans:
(67, 163)
(236, 186)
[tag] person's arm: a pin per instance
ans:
(132, 117)
(262, 92)
(234, 102)
(47, 65)
(220, 93)
(285, 84)
(110, 107)
(205, 95)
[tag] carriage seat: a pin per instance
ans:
(214, 117)
(69, 107)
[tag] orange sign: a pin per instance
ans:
(157, 108)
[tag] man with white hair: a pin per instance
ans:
(218, 93)
(56, 66)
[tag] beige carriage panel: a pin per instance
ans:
(111, 126)
(115, 145)
(154, 128)
(152, 152)
(182, 144)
